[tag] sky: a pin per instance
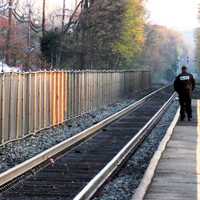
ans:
(177, 14)
(58, 3)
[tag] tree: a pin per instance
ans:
(131, 40)
(108, 35)
(163, 47)
(49, 46)
(197, 44)
(197, 51)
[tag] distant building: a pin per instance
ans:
(17, 36)
(3, 21)
(3, 30)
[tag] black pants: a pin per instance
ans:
(186, 106)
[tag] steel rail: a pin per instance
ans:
(91, 188)
(26, 166)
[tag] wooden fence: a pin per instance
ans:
(30, 102)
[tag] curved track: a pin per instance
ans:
(74, 169)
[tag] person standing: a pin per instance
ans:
(184, 85)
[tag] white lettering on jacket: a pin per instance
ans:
(184, 78)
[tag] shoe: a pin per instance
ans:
(182, 119)
(189, 118)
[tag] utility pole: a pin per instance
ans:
(76, 3)
(86, 4)
(44, 17)
(63, 16)
(29, 37)
(9, 33)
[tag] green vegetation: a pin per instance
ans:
(50, 46)
(131, 39)
(109, 35)
(114, 34)
(163, 47)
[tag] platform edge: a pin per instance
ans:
(150, 172)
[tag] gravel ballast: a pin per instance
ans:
(19, 151)
(124, 184)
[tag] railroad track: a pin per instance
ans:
(78, 173)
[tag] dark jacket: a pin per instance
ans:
(184, 84)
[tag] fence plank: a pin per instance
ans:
(1, 100)
(31, 104)
(54, 98)
(13, 108)
(69, 95)
(45, 114)
(51, 98)
(48, 99)
(6, 107)
(19, 107)
(66, 95)
(25, 104)
(41, 100)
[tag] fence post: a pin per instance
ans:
(45, 80)
(69, 94)
(1, 101)
(6, 107)
(54, 98)
(13, 106)
(30, 97)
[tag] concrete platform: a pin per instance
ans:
(177, 176)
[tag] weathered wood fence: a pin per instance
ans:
(30, 102)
